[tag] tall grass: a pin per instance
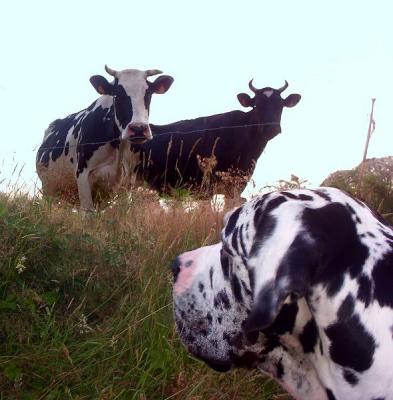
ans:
(85, 304)
(371, 181)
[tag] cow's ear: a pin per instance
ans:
(161, 84)
(245, 100)
(292, 100)
(288, 276)
(101, 85)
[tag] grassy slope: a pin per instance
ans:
(85, 306)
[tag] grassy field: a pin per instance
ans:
(85, 305)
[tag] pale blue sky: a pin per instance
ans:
(336, 54)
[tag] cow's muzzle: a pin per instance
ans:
(271, 131)
(138, 133)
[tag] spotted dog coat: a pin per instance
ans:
(301, 287)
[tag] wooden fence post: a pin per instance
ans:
(371, 127)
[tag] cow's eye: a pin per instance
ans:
(120, 94)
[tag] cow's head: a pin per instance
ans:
(267, 107)
(131, 92)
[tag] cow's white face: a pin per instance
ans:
(131, 92)
(131, 107)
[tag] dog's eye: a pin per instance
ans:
(227, 251)
(225, 263)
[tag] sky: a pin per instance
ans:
(337, 54)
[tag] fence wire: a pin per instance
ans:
(50, 148)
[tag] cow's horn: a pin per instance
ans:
(151, 72)
(252, 87)
(111, 71)
(283, 87)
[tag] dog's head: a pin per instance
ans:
(273, 249)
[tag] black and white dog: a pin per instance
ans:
(300, 287)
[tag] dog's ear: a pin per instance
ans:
(303, 246)
(292, 277)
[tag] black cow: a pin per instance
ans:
(215, 154)
(87, 152)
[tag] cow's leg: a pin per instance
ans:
(84, 191)
(294, 372)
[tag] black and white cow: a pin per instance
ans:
(86, 152)
(235, 138)
(301, 287)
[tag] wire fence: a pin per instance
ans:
(13, 162)
(202, 130)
